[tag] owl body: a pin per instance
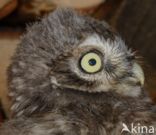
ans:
(72, 75)
(84, 114)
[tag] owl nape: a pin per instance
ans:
(73, 75)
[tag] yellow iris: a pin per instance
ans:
(91, 62)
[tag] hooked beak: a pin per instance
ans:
(138, 72)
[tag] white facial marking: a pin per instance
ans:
(113, 51)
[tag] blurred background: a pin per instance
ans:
(135, 20)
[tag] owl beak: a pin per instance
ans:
(138, 72)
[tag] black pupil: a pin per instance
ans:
(92, 62)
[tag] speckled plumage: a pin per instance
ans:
(53, 96)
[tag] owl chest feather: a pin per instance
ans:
(101, 112)
(89, 113)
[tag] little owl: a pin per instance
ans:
(72, 75)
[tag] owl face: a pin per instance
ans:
(98, 65)
(68, 51)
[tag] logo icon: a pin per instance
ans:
(137, 128)
(125, 128)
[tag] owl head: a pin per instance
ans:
(68, 51)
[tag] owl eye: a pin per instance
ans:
(91, 62)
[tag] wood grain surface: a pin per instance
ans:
(7, 48)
